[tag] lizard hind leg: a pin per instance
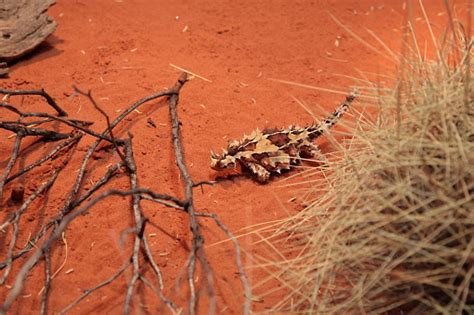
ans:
(309, 150)
(260, 173)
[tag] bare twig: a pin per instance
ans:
(97, 287)
(15, 219)
(197, 248)
(34, 258)
(48, 156)
(78, 124)
(73, 207)
(140, 238)
(238, 261)
(47, 282)
(108, 175)
(111, 171)
(47, 134)
(41, 92)
(160, 295)
(14, 156)
(80, 176)
(10, 108)
(139, 223)
(88, 94)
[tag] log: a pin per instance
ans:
(24, 24)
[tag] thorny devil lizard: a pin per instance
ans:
(273, 150)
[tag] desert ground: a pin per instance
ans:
(239, 53)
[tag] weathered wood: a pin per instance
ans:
(24, 24)
(3, 69)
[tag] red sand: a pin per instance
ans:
(122, 51)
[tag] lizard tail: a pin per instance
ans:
(318, 129)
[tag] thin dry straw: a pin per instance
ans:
(394, 221)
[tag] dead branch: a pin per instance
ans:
(41, 93)
(108, 175)
(92, 290)
(80, 177)
(47, 282)
(15, 218)
(139, 223)
(50, 155)
(160, 295)
(14, 156)
(36, 256)
(41, 244)
(140, 238)
(197, 248)
(238, 260)
(88, 94)
(46, 134)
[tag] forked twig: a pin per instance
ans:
(41, 93)
(141, 257)
(92, 290)
(14, 156)
(88, 94)
(197, 247)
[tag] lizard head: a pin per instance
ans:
(223, 162)
(227, 160)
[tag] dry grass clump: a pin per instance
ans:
(392, 229)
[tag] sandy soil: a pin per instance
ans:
(122, 51)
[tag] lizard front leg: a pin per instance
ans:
(258, 171)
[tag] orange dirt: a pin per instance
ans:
(122, 51)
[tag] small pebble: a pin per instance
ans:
(17, 193)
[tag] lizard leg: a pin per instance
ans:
(258, 171)
(294, 154)
(310, 150)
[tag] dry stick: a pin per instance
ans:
(197, 248)
(153, 263)
(177, 204)
(78, 124)
(50, 155)
(70, 121)
(80, 176)
(66, 209)
(155, 267)
(30, 123)
(45, 115)
(167, 204)
(34, 258)
(47, 282)
(92, 290)
(41, 92)
(10, 108)
(158, 292)
(238, 260)
(140, 238)
(139, 223)
(16, 221)
(102, 181)
(110, 172)
(47, 134)
(46, 185)
(107, 119)
(14, 156)
(11, 246)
